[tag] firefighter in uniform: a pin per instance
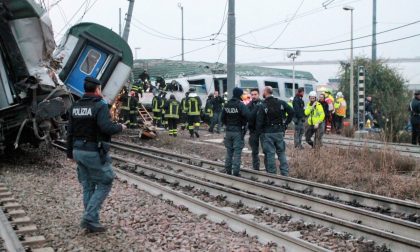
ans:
(133, 105)
(184, 110)
(172, 108)
(234, 116)
(208, 110)
(125, 109)
(272, 123)
(193, 112)
(162, 107)
(89, 133)
(156, 109)
(254, 136)
(415, 118)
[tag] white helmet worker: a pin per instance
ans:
(312, 94)
(339, 95)
(291, 98)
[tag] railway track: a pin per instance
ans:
(17, 231)
(397, 234)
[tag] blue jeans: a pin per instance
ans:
(254, 142)
(274, 143)
(234, 143)
(299, 130)
(96, 179)
(217, 119)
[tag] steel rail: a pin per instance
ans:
(216, 214)
(308, 187)
(392, 241)
(10, 238)
(368, 218)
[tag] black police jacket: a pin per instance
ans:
(415, 111)
(253, 109)
(235, 115)
(271, 116)
(299, 107)
(90, 121)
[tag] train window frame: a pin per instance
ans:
(290, 89)
(266, 83)
(85, 60)
(308, 88)
(199, 85)
(249, 81)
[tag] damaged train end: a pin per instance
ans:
(39, 81)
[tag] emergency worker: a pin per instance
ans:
(254, 136)
(172, 109)
(156, 109)
(193, 114)
(217, 103)
(330, 121)
(299, 119)
(340, 106)
(184, 110)
(315, 113)
(138, 87)
(133, 105)
(323, 125)
(272, 123)
(415, 118)
(162, 107)
(208, 110)
(89, 133)
(125, 106)
(234, 116)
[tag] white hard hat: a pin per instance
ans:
(339, 94)
(312, 94)
(291, 98)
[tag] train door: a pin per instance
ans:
(6, 97)
(90, 63)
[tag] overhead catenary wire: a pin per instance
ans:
(287, 24)
(328, 44)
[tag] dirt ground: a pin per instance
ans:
(380, 172)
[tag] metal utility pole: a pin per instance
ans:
(231, 48)
(119, 21)
(182, 29)
(374, 32)
(351, 9)
(128, 20)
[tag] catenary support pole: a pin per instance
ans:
(374, 32)
(128, 20)
(231, 48)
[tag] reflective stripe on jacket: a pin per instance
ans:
(340, 107)
(315, 114)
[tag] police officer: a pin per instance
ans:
(415, 118)
(272, 123)
(89, 133)
(254, 136)
(234, 116)
(193, 113)
(172, 109)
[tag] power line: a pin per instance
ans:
(340, 49)
(327, 44)
(287, 24)
(74, 15)
(198, 49)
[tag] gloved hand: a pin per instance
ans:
(316, 125)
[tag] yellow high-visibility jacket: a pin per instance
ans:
(315, 113)
(340, 107)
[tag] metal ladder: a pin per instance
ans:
(145, 115)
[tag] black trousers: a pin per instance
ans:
(415, 135)
(310, 131)
(172, 124)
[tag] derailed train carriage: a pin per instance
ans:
(38, 82)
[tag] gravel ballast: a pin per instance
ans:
(45, 183)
